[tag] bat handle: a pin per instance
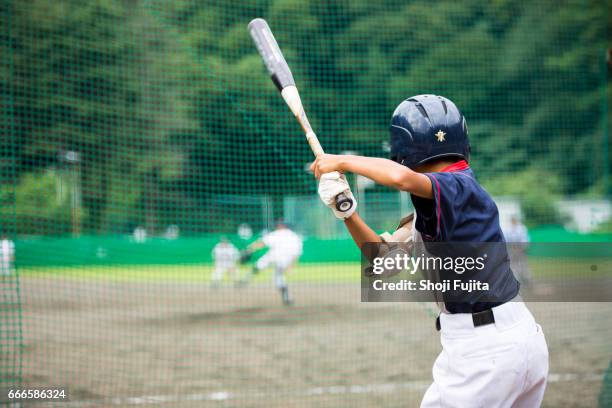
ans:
(343, 203)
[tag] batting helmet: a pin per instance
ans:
(428, 127)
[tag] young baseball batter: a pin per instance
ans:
(493, 352)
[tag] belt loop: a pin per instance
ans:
(438, 327)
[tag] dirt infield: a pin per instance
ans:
(187, 345)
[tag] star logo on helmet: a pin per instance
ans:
(440, 135)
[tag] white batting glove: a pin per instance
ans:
(332, 184)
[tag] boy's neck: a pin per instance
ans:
(434, 167)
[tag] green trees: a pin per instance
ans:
(42, 203)
(169, 105)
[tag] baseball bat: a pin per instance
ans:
(283, 80)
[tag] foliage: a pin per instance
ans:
(42, 203)
(606, 227)
(538, 190)
(169, 105)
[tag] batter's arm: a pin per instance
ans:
(382, 171)
(360, 231)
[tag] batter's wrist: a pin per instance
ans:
(343, 163)
(348, 219)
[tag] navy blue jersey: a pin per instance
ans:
(463, 212)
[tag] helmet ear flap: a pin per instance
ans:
(400, 139)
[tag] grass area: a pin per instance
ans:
(316, 273)
(570, 268)
(308, 272)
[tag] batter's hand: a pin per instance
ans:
(326, 163)
(332, 184)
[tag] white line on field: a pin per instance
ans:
(328, 390)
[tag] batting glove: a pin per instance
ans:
(332, 184)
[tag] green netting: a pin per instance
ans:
(136, 133)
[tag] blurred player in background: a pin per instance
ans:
(140, 234)
(225, 255)
(517, 237)
(7, 255)
(284, 249)
(172, 232)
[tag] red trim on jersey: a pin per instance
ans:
(438, 209)
(459, 166)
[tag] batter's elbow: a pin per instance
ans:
(402, 180)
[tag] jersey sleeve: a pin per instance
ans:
(436, 216)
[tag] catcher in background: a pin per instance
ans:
(494, 354)
(284, 249)
(226, 256)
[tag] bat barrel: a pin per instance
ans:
(283, 79)
(271, 54)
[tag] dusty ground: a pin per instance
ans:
(147, 344)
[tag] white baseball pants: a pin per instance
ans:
(280, 263)
(504, 364)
